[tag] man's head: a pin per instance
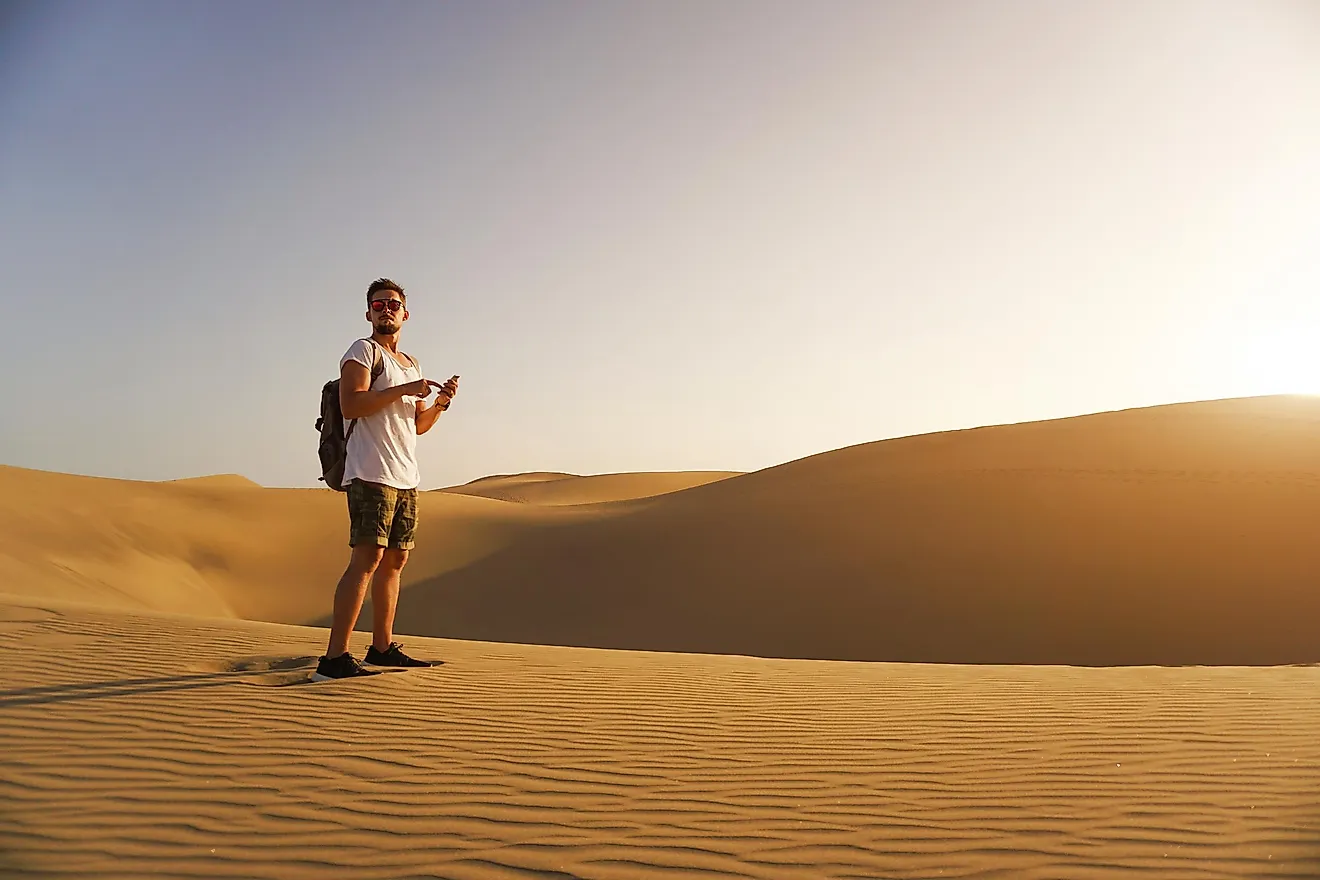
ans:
(387, 307)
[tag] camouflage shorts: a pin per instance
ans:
(381, 515)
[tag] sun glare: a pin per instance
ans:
(1283, 361)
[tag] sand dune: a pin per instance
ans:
(1172, 535)
(196, 749)
(214, 548)
(217, 481)
(559, 489)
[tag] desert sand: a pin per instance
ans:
(1078, 648)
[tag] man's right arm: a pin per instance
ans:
(357, 400)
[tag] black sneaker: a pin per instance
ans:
(343, 666)
(394, 656)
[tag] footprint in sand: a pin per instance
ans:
(263, 670)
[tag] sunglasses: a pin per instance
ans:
(379, 305)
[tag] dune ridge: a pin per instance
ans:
(200, 753)
(217, 481)
(564, 489)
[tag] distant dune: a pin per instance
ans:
(1183, 534)
(208, 548)
(560, 489)
(493, 480)
(218, 481)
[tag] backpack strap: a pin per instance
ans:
(378, 362)
(377, 367)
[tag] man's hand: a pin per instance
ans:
(448, 392)
(420, 388)
(427, 415)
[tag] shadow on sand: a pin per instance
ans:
(268, 672)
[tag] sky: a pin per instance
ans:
(676, 235)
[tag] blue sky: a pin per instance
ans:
(649, 236)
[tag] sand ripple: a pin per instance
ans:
(172, 747)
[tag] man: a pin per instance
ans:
(381, 477)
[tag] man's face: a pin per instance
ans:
(387, 312)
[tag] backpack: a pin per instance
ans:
(333, 448)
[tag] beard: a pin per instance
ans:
(387, 325)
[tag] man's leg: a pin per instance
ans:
(371, 509)
(349, 594)
(385, 596)
(385, 585)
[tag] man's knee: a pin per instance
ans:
(394, 559)
(366, 558)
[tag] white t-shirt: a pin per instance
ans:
(383, 447)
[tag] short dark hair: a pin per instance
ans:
(384, 284)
